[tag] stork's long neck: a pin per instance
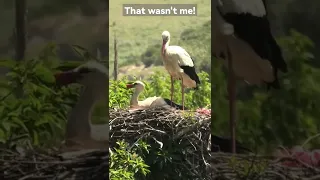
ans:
(79, 121)
(135, 97)
(164, 47)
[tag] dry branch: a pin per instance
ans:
(115, 70)
(84, 165)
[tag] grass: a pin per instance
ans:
(135, 34)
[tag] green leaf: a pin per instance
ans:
(8, 63)
(35, 138)
(26, 109)
(12, 75)
(7, 126)
(2, 136)
(19, 122)
(44, 74)
(42, 120)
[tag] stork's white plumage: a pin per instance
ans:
(150, 102)
(94, 77)
(242, 35)
(179, 65)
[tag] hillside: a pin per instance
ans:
(136, 34)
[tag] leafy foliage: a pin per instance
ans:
(34, 111)
(296, 110)
(126, 162)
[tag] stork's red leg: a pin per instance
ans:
(182, 91)
(171, 89)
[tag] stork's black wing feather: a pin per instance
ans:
(191, 72)
(224, 145)
(174, 105)
(265, 6)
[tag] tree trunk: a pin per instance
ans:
(20, 37)
(20, 31)
(115, 59)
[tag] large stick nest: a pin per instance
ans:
(79, 165)
(164, 129)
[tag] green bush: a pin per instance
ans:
(34, 111)
(126, 162)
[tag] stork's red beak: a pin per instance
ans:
(65, 78)
(129, 86)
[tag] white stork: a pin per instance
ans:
(179, 65)
(242, 35)
(150, 102)
(94, 77)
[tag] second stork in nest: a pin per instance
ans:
(150, 102)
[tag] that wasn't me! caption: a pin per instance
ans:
(160, 9)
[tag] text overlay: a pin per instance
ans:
(160, 10)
